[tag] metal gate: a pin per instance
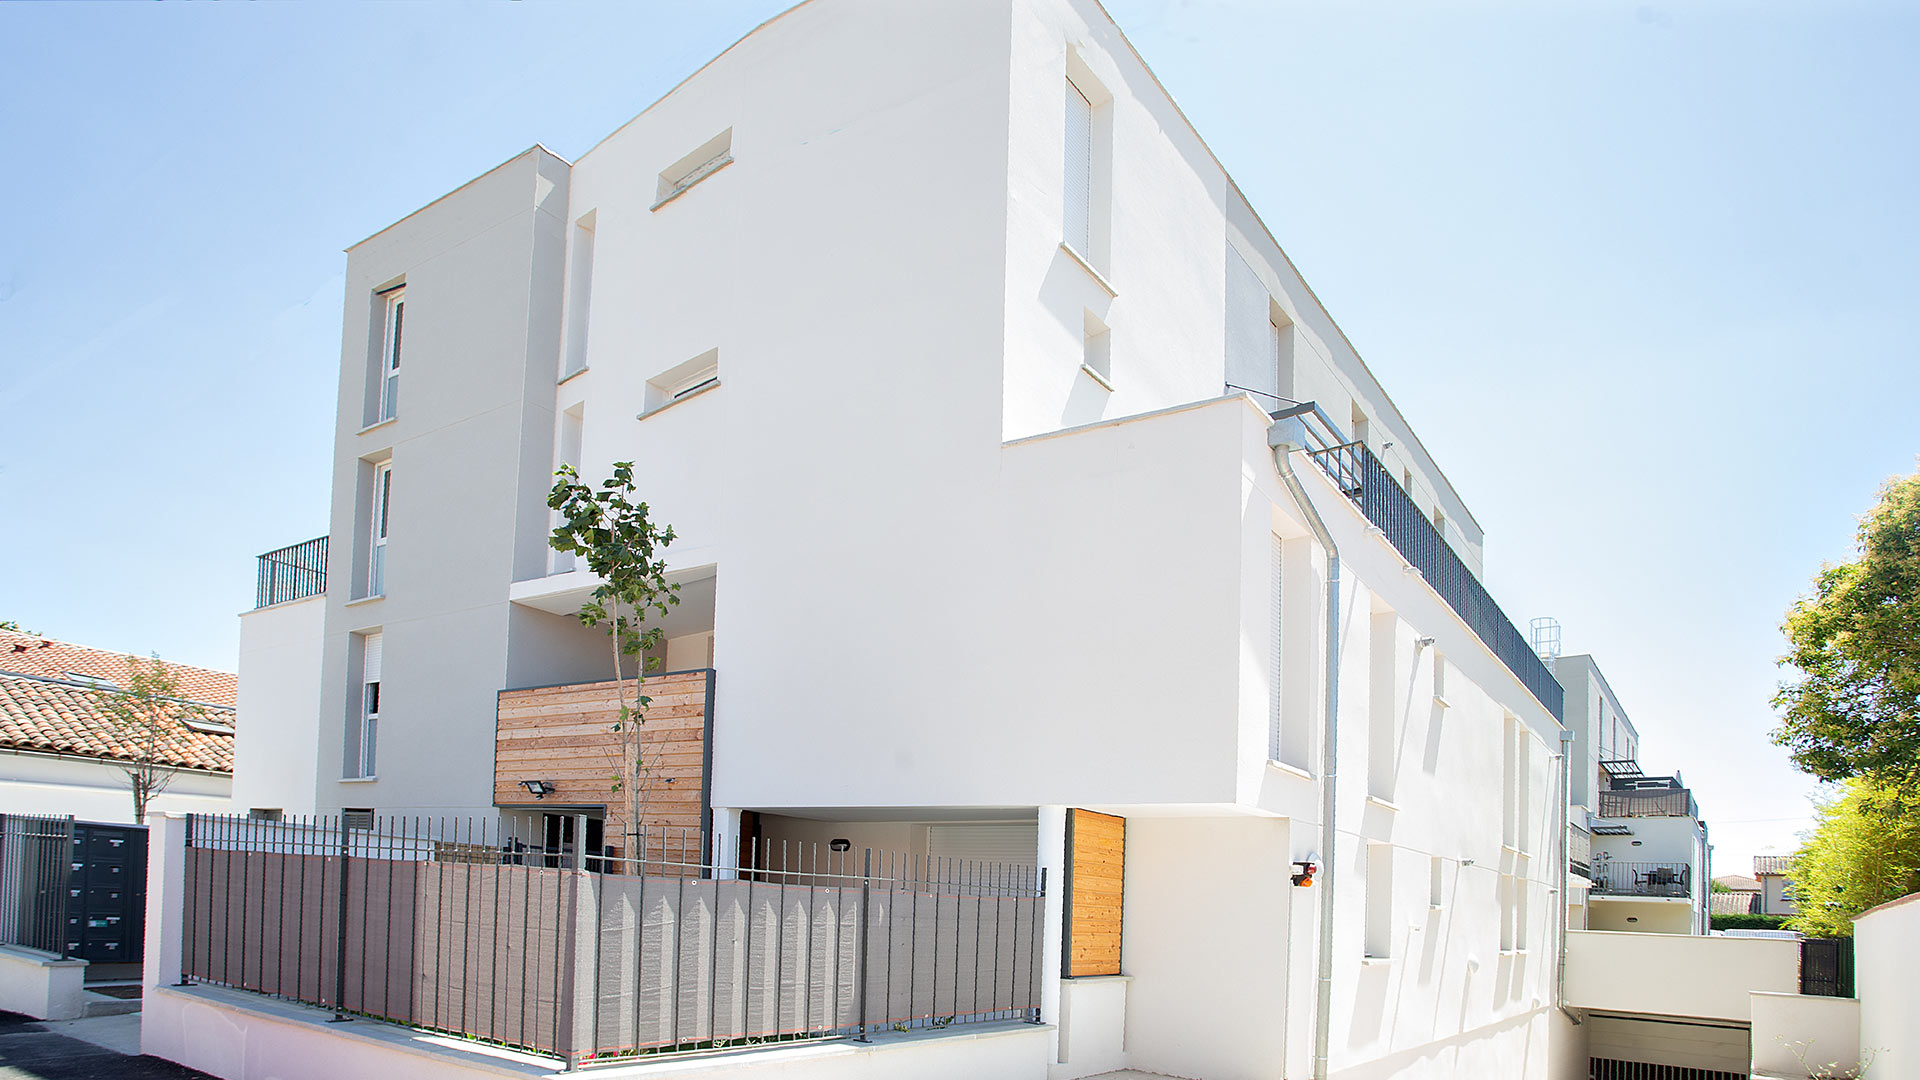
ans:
(107, 894)
(1826, 967)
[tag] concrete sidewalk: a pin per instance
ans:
(97, 1048)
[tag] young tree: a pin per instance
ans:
(622, 545)
(1864, 850)
(152, 717)
(1855, 710)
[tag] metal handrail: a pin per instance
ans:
(1642, 878)
(290, 573)
(1360, 477)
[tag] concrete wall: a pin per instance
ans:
(1796, 1035)
(95, 790)
(1663, 975)
(1641, 915)
(276, 739)
(41, 985)
(471, 452)
(1886, 941)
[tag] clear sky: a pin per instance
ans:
(1642, 276)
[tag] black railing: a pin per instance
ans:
(292, 573)
(1360, 477)
(1654, 802)
(1826, 967)
(1642, 879)
(36, 867)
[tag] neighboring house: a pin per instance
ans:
(1734, 902)
(1012, 464)
(1776, 887)
(60, 754)
(1647, 867)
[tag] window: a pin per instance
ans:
(709, 158)
(1259, 336)
(683, 381)
(1509, 912)
(1079, 172)
(1379, 930)
(572, 433)
(1096, 354)
(1436, 882)
(396, 312)
(364, 741)
(377, 546)
(579, 295)
(1276, 732)
(1383, 704)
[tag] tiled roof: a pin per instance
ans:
(57, 717)
(1733, 903)
(1771, 864)
(1738, 882)
(50, 659)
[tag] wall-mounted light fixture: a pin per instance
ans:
(1303, 871)
(539, 789)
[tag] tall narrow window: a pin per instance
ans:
(396, 300)
(579, 294)
(1523, 791)
(1383, 705)
(1436, 881)
(1379, 929)
(1079, 172)
(1096, 352)
(572, 433)
(377, 560)
(1276, 733)
(1259, 337)
(371, 648)
(1509, 912)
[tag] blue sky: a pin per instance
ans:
(1641, 275)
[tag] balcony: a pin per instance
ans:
(1658, 802)
(1662, 879)
(292, 573)
(1361, 477)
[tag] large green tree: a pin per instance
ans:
(1864, 850)
(1855, 641)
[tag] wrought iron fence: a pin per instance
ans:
(1826, 967)
(1642, 878)
(1361, 477)
(500, 932)
(291, 573)
(36, 871)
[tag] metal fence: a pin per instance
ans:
(1648, 802)
(291, 573)
(503, 933)
(1826, 967)
(36, 868)
(1643, 878)
(1362, 478)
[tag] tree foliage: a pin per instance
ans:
(151, 716)
(620, 543)
(1855, 710)
(1864, 850)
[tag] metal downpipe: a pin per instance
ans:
(1566, 872)
(1329, 754)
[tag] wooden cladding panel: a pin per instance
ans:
(564, 735)
(1096, 868)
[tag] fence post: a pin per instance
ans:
(573, 871)
(865, 942)
(340, 953)
(64, 874)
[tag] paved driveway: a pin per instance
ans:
(31, 1050)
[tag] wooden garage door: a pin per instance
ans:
(1096, 865)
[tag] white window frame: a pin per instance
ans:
(390, 348)
(371, 645)
(380, 513)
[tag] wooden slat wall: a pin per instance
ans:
(564, 735)
(1096, 866)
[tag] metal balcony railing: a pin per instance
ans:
(292, 573)
(1648, 802)
(1642, 879)
(1360, 477)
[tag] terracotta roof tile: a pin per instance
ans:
(51, 659)
(65, 718)
(1772, 864)
(1733, 903)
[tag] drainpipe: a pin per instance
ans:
(1566, 872)
(1286, 436)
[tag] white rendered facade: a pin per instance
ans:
(971, 526)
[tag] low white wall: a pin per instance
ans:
(1886, 944)
(239, 1036)
(276, 741)
(1093, 1026)
(1795, 1035)
(41, 985)
(94, 790)
(1676, 975)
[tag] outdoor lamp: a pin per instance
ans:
(537, 788)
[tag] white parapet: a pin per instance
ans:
(1797, 1035)
(41, 985)
(1677, 975)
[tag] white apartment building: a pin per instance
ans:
(1645, 865)
(1017, 475)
